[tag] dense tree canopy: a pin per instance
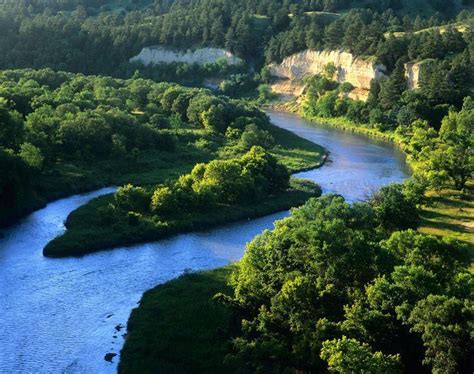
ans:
(84, 36)
(327, 289)
(56, 125)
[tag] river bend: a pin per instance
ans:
(64, 315)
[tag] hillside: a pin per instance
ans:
(461, 27)
(118, 30)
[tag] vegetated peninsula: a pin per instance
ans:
(218, 192)
(339, 287)
(153, 133)
(66, 133)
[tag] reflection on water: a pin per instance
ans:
(64, 315)
(357, 166)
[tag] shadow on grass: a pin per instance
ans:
(429, 220)
(179, 328)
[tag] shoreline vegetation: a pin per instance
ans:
(164, 309)
(87, 233)
(342, 123)
(446, 212)
(85, 236)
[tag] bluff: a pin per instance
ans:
(201, 56)
(355, 70)
(414, 72)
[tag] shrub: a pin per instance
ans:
(130, 198)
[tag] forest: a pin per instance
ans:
(65, 133)
(84, 36)
(336, 286)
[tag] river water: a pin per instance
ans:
(64, 315)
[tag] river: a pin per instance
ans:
(64, 315)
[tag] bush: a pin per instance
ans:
(130, 198)
(163, 201)
(253, 136)
(394, 209)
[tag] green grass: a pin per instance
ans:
(179, 328)
(451, 213)
(88, 233)
(87, 230)
(296, 153)
(461, 27)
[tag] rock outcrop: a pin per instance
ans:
(413, 72)
(288, 90)
(201, 56)
(357, 71)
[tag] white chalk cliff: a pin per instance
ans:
(357, 71)
(201, 56)
(413, 72)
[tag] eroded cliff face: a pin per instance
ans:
(413, 72)
(288, 90)
(357, 71)
(201, 56)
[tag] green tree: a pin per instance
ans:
(11, 126)
(31, 155)
(224, 180)
(394, 209)
(391, 89)
(214, 118)
(293, 282)
(445, 257)
(253, 136)
(350, 356)
(454, 155)
(130, 198)
(163, 201)
(444, 324)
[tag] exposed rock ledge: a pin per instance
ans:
(414, 71)
(287, 89)
(201, 56)
(357, 71)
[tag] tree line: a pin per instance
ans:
(436, 133)
(57, 125)
(85, 36)
(352, 288)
